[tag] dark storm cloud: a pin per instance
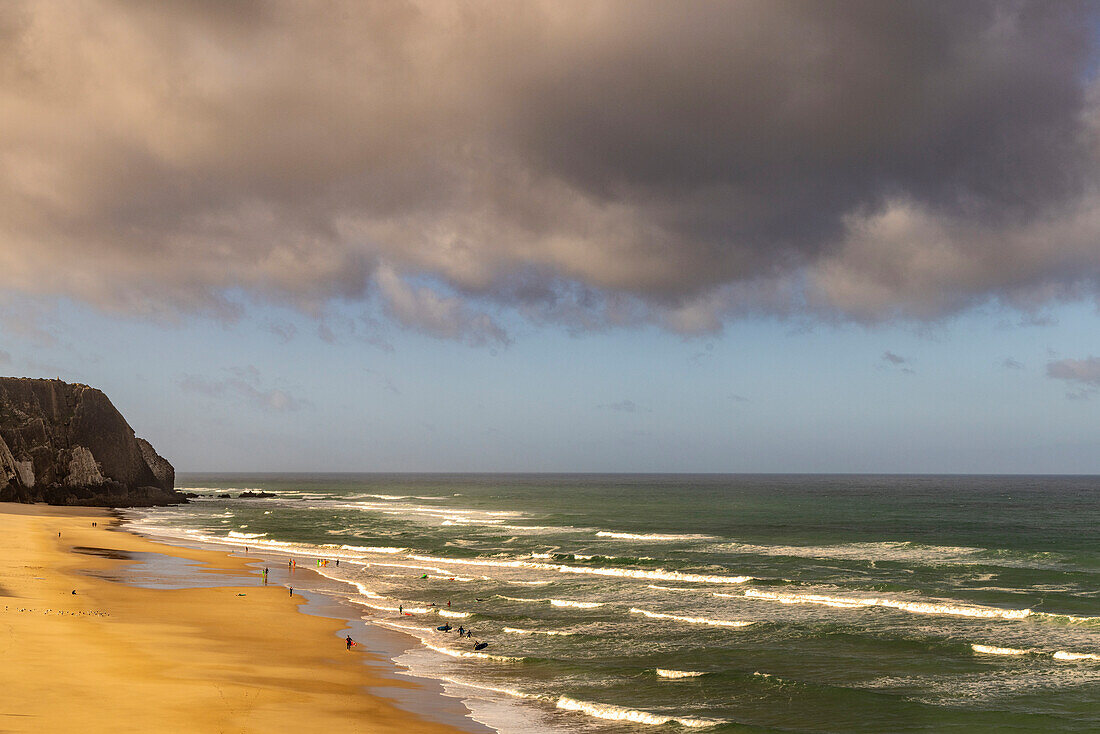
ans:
(595, 164)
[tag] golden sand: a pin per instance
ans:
(118, 658)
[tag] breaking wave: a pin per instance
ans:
(679, 673)
(648, 536)
(990, 650)
(557, 602)
(466, 654)
(519, 631)
(620, 713)
(1070, 656)
(906, 606)
(630, 573)
(372, 549)
(604, 711)
(692, 620)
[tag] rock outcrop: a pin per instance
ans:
(66, 444)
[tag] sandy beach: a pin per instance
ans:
(115, 657)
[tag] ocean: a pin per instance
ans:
(641, 603)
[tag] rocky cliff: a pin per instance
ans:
(67, 445)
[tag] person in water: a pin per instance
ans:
(461, 632)
(349, 641)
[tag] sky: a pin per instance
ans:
(561, 236)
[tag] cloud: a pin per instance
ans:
(285, 331)
(597, 164)
(386, 380)
(1084, 372)
(623, 406)
(27, 319)
(895, 360)
(243, 385)
(445, 317)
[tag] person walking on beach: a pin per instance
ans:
(349, 641)
(292, 591)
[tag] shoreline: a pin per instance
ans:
(219, 651)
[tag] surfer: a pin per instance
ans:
(400, 608)
(461, 632)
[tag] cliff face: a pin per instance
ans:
(66, 444)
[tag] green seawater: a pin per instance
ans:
(768, 603)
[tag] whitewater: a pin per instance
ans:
(650, 603)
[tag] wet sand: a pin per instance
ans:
(117, 657)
